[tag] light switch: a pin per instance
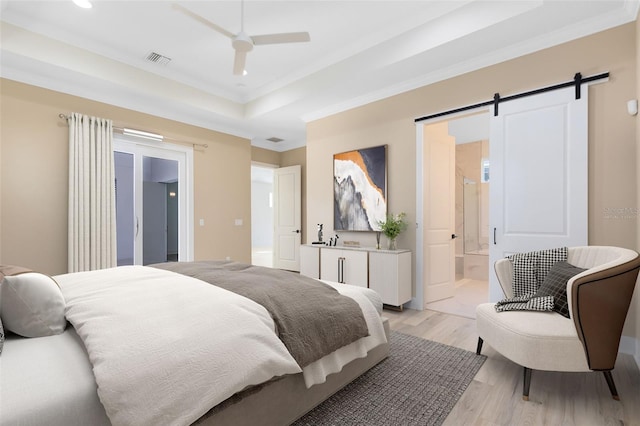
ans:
(238, 222)
(201, 222)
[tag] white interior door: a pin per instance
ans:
(287, 216)
(538, 192)
(438, 212)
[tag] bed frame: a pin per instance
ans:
(283, 401)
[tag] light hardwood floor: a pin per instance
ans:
(468, 294)
(494, 397)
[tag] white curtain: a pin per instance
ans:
(92, 217)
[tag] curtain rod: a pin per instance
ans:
(577, 81)
(121, 130)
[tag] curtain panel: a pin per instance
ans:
(92, 217)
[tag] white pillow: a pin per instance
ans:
(32, 305)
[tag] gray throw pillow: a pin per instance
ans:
(8, 270)
(555, 284)
(547, 258)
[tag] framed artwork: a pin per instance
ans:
(360, 189)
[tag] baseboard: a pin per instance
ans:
(631, 346)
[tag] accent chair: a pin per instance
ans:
(598, 302)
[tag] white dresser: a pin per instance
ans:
(388, 272)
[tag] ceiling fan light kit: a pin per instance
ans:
(242, 43)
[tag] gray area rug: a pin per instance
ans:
(418, 384)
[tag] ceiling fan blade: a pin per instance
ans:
(202, 20)
(239, 62)
(281, 38)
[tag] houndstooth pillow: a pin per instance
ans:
(525, 278)
(555, 284)
(531, 268)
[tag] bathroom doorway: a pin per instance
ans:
(472, 180)
(262, 214)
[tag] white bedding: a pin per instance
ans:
(55, 371)
(160, 341)
(371, 304)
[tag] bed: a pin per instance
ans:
(187, 343)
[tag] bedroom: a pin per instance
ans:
(34, 175)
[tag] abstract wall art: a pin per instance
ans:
(360, 189)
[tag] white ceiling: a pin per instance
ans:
(360, 51)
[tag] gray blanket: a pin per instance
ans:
(312, 319)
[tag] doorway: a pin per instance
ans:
(153, 202)
(539, 184)
(471, 193)
(262, 214)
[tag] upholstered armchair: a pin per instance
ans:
(598, 301)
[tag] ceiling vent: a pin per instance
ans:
(157, 58)
(275, 140)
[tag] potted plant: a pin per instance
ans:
(392, 227)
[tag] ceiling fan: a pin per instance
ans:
(243, 43)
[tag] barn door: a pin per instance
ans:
(538, 175)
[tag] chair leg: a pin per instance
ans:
(479, 347)
(526, 384)
(612, 386)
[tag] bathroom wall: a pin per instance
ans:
(472, 211)
(469, 164)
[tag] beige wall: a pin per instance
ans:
(612, 132)
(34, 170)
(265, 156)
(33, 178)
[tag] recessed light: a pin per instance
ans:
(244, 72)
(85, 4)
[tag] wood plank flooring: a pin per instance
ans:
(468, 294)
(494, 397)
